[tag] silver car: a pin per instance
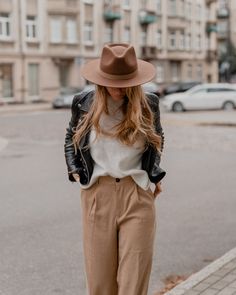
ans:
(64, 100)
(202, 97)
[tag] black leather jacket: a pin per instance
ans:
(81, 162)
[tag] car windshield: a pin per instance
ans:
(195, 89)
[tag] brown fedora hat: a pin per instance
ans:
(118, 67)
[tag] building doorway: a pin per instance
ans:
(6, 82)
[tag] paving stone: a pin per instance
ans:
(233, 284)
(220, 285)
(201, 286)
(210, 292)
(227, 291)
(231, 264)
(229, 278)
(222, 272)
(192, 292)
(211, 279)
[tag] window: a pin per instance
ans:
(5, 30)
(71, 31)
(172, 7)
(220, 89)
(200, 91)
(31, 28)
(143, 37)
(172, 40)
(159, 39)
(6, 81)
(188, 41)
(143, 3)
(127, 36)
(56, 30)
(88, 33)
(160, 74)
(33, 72)
(190, 71)
(198, 42)
(222, 3)
(199, 72)
(108, 38)
(64, 70)
(222, 47)
(199, 11)
(158, 5)
(182, 41)
(126, 3)
(174, 71)
(188, 9)
(222, 28)
(181, 8)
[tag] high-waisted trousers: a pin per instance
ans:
(119, 225)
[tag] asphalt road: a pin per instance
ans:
(40, 214)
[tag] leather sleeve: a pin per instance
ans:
(157, 117)
(69, 149)
(157, 173)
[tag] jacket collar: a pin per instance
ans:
(86, 100)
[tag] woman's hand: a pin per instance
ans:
(76, 176)
(157, 189)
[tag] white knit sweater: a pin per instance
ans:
(113, 158)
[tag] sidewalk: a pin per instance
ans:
(219, 277)
(24, 107)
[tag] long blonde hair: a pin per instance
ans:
(138, 118)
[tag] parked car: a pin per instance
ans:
(64, 100)
(202, 97)
(153, 88)
(179, 87)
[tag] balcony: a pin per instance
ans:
(148, 52)
(209, 2)
(211, 55)
(223, 13)
(147, 17)
(211, 28)
(111, 13)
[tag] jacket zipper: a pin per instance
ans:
(84, 161)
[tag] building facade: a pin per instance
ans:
(43, 43)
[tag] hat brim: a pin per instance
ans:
(91, 72)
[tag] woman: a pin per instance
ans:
(113, 149)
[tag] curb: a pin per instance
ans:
(196, 278)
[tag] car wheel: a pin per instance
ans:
(228, 106)
(177, 107)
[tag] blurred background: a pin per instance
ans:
(44, 43)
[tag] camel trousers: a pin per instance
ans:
(119, 224)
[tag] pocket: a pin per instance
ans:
(88, 197)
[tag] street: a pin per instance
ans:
(40, 212)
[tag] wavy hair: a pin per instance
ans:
(138, 119)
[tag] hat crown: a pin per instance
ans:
(118, 59)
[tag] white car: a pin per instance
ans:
(202, 97)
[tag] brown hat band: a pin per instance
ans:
(118, 77)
